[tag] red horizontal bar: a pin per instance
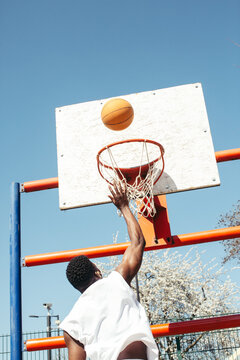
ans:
(51, 183)
(227, 155)
(182, 327)
(118, 249)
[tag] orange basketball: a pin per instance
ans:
(117, 114)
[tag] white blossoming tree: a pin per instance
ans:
(176, 287)
(231, 247)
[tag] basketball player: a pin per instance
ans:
(107, 322)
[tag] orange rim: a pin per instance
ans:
(133, 170)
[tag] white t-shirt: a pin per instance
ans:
(107, 317)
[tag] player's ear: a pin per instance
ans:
(98, 274)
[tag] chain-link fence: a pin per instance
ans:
(212, 345)
(54, 354)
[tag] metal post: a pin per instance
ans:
(137, 288)
(58, 333)
(15, 275)
(178, 348)
(49, 353)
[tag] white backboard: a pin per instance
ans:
(175, 117)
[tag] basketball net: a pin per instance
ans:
(140, 185)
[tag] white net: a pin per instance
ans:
(139, 179)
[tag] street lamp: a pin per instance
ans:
(48, 306)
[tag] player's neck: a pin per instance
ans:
(92, 281)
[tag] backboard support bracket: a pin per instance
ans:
(157, 230)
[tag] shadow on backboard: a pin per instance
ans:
(165, 185)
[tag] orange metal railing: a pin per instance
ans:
(183, 327)
(54, 342)
(187, 327)
(118, 249)
(37, 185)
(227, 155)
(51, 183)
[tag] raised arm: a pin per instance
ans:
(75, 348)
(132, 257)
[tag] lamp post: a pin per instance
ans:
(48, 306)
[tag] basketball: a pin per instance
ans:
(117, 114)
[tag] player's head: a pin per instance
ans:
(81, 272)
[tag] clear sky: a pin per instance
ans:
(56, 53)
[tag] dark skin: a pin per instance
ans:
(128, 268)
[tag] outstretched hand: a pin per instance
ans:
(119, 195)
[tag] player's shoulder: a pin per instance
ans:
(117, 276)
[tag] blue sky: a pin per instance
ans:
(56, 53)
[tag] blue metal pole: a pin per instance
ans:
(15, 275)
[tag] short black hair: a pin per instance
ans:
(80, 271)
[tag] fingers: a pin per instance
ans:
(118, 194)
(120, 187)
(117, 187)
(118, 191)
(111, 198)
(111, 190)
(124, 186)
